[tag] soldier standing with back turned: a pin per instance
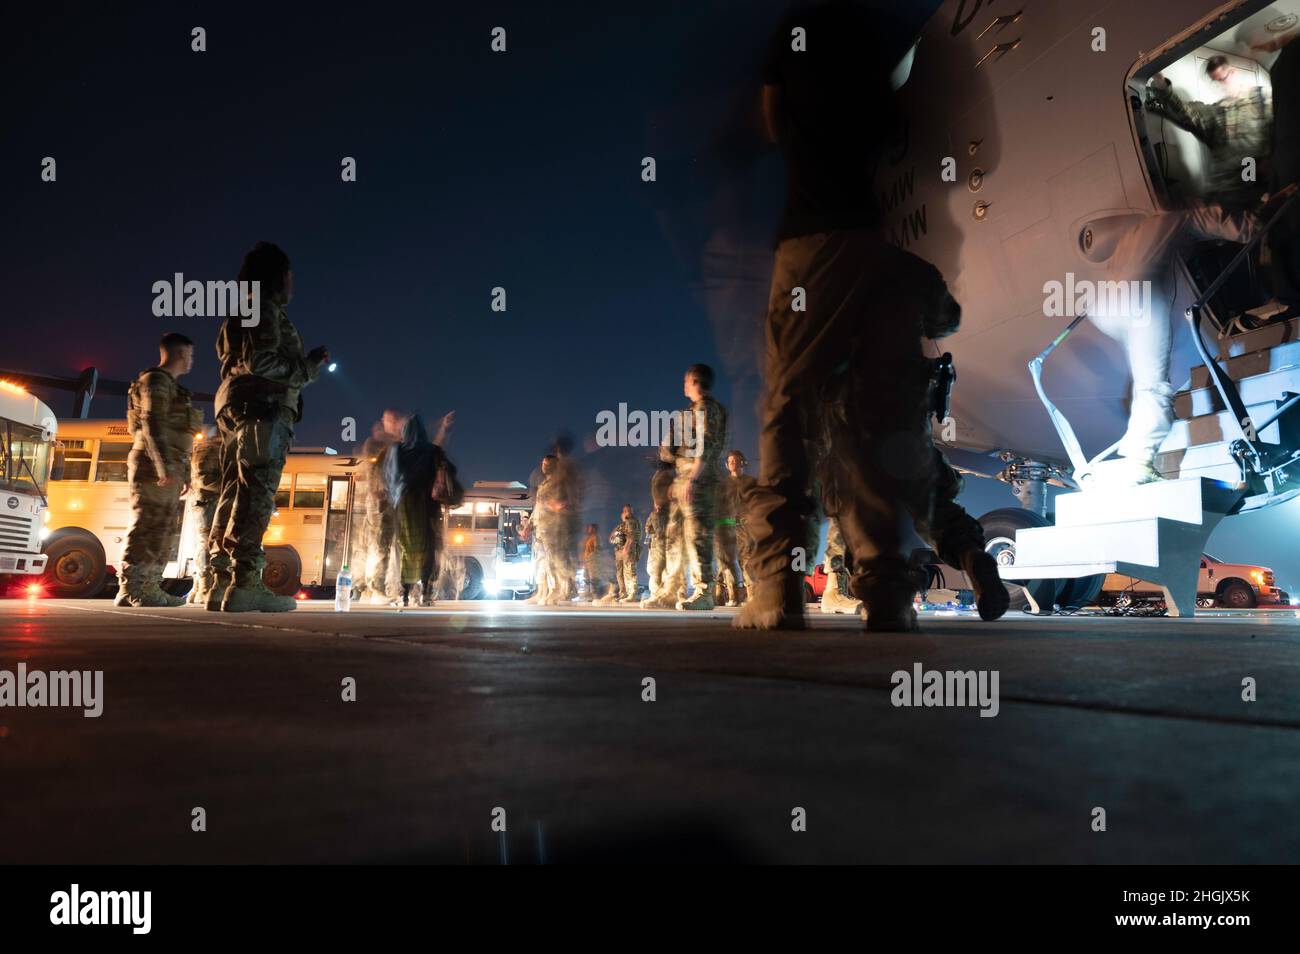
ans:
(263, 371)
(162, 424)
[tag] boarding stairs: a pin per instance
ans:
(1155, 532)
(1234, 447)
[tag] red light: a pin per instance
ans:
(300, 595)
(34, 591)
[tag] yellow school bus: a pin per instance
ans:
(317, 526)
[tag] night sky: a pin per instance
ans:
(475, 170)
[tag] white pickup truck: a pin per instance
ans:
(1228, 585)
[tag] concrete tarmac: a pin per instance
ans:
(470, 708)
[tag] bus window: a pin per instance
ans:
(309, 492)
(485, 521)
(460, 521)
(112, 461)
(282, 492)
(339, 496)
(76, 460)
(24, 459)
(511, 541)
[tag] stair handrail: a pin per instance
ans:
(1062, 424)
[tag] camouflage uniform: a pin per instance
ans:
(1234, 128)
(263, 371)
(205, 488)
(699, 512)
(655, 525)
(162, 425)
(667, 563)
(381, 520)
(554, 529)
(847, 411)
(626, 557)
(725, 543)
(740, 487)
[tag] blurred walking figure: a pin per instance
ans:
(656, 528)
(569, 477)
(381, 519)
(1149, 254)
(846, 377)
(162, 425)
(553, 520)
(626, 539)
(420, 480)
(1237, 126)
(738, 485)
(591, 564)
(205, 488)
(697, 460)
(541, 569)
(693, 454)
(263, 371)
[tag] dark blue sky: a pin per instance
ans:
(475, 169)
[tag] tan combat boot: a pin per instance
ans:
(773, 604)
(250, 595)
(152, 594)
(702, 599)
(833, 601)
(214, 588)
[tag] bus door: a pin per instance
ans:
(339, 529)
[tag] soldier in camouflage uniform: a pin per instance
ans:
(1237, 127)
(674, 562)
(739, 484)
(726, 546)
(626, 555)
(696, 460)
(656, 526)
(263, 371)
(162, 425)
(205, 488)
(553, 523)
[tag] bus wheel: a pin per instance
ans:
(74, 565)
(283, 571)
(473, 588)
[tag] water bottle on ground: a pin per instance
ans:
(343, 591)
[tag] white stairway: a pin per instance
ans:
(1265, 364)
(1155, 532)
